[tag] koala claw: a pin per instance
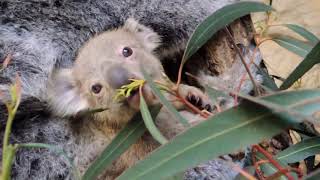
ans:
(199, 102)
(208, 108)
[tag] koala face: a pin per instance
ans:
(104, 64)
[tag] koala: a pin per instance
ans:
(45, 37)
(104, 64)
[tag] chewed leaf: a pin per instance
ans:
(128, 92)
(125, 90)
(120, 93)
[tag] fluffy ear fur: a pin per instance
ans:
(151, 40)
(64, 96)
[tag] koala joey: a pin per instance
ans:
(43, 37)
(104, 64)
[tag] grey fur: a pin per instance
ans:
(42, 35)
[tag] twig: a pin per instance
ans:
(238, 90)
(179, 77)
(191, 106)
(244, 75)
(8, 150)
(243, 62)
(256, 165)
(272, 161)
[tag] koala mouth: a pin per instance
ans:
(134, 99)
(134, 93)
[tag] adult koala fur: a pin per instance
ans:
(45, 35)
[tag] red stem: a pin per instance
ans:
(272, 161)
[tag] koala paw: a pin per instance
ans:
(199, 101)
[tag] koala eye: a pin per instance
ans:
(126, 51)
(96, 88)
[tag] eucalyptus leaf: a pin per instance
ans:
(296, 46)
(223, 133)
(218, 20)
(276, 107)
(311, 59)
(303, 32)
(148, 121)
(178, 176)
(124, 139)
(300, 151)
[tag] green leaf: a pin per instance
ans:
(7, 160)
(224, 133)
(303, 32)
(218, 20)
(300, 151)
(124, 139)
(296, 46)
(311, 59)
(163, 100)
(276, 107)
(8, 149)
(178, 176)
(148, 121)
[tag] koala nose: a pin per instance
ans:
(118, 76)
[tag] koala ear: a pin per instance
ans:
(64, 96)
(150, 39)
